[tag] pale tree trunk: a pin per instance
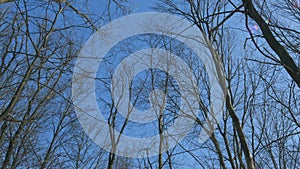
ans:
(5, 1)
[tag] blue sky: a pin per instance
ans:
(142, 6)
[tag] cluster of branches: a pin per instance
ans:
(260, 127)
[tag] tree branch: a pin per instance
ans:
(285, 58)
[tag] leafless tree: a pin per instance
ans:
(257, 43)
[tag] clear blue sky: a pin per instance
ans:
(142, 6)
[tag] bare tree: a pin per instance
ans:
(39, 42)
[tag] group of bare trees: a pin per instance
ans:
(257, 43)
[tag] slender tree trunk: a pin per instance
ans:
(241, 135)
